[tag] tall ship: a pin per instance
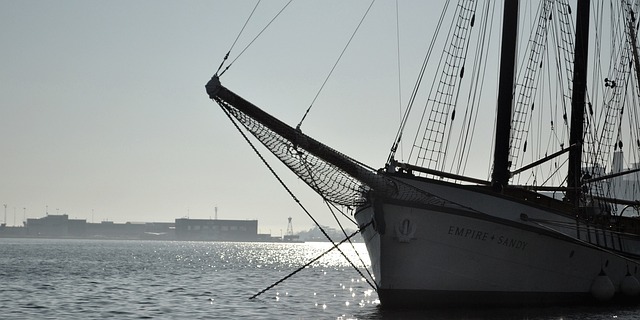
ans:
(555, 224)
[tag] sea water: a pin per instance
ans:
(99, 279)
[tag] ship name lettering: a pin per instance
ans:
(474, 234)
(468, 233)
(512, 243)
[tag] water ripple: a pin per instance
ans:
(73, 279)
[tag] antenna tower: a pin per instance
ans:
(289, 228)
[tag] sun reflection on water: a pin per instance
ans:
(219, 275)
(64, 279)
(269, 255)
(311, 286)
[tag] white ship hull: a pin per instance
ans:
(505, 252)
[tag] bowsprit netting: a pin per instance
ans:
(326, 179)
(336, 177)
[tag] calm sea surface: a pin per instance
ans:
(98, 279)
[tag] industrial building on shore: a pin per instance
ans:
(217, 230)
(60, 226)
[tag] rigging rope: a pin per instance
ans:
(473, 100)
(329, 203)
(226, 56)
(432, 137)
(264, 161)
(527, 86)
(585, 243)
(399, 69)
(416, 87)
(255, 38)
(335, 246)
(335, 64)
(604, 134)
(344, 232)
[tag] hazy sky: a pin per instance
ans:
(103, 107)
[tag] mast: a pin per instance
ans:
(634, 45)
(500, 176)
(578, 101)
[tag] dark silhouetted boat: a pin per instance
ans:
(437, 237)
